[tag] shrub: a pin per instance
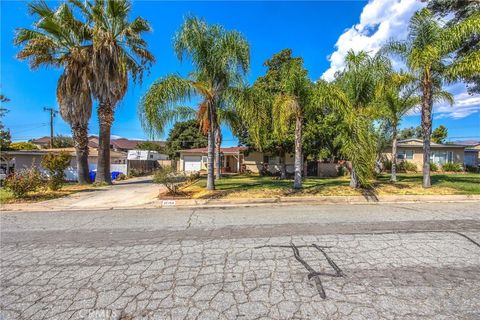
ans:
(433, 167)
(134, 173)
(407, 166)
(194, 177)
(387, 165)
(120, 177)
(342, 171)
(452, 166)
(24, 181)
(170, 179)
(56, 164)
(472, 169)
(23, 146)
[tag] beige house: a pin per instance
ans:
(472, 151)
(411, 150)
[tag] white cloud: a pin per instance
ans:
(380, 21)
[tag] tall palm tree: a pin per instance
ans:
(353, 95)
(220, 59)
(119, 51)
(58, 39)
(428, 54)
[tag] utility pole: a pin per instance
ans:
(53, 112)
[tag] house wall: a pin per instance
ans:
(458, 154)
(254, 162)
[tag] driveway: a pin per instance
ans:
(135, 192)
(382, 261)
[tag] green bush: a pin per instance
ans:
(23, 146)
(472, 169)
(24, 181)
(134, 173)
(121, 177)
(170, 179)
(433, 167)
(407, 166)
(342, 171)
(452, 167)
(387, 165)
(56, 164)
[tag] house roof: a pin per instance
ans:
(419, 143)
(234, 150)
(42, 140)
(467, 143)
(92, 152)
(128, 144)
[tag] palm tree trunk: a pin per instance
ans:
(393, 178)
(210, 159)
(283, 166)
(353, 178)
(105, 116)
(426, 127)
(297, 184)
(218, 155)
(80, 138)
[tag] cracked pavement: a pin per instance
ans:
(409, 261)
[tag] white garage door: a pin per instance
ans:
(192, 163)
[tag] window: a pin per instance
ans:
(441, 157)
(151, 156)
(405, 155)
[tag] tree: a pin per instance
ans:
(410, 132)
(427, 52)
(56, 164)
(185, 135)
(5, 137)
(118, 51)
(220, 59)
(58, 39)
(61, 141)
(440, 134)
(459, 11)
(151, 145)
(352, 94)
(395, 96)
(22, 146)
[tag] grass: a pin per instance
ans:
(237, 187)
(7, 197)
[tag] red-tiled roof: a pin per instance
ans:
(127, 144)
(223, 150)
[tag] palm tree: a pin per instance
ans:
(220, 59)
(119, 51)
(427, 53)
(395, 96)
(60, 40)
(352, 94)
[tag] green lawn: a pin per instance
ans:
(260, 187)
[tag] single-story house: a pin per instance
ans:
(411, 150)
(472, 151)
(23, 159)
(240, 159)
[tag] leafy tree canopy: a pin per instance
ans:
(440, 134)
(22, 146)
(185, 135)
(150, 145)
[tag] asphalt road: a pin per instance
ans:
(402, 261)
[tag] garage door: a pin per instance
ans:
(192, 163)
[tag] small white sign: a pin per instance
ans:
(168, 202)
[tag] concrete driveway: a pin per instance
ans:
(131, 193)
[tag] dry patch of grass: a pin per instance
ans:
(243, 187)
(6, 197)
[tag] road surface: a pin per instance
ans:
(403, 261)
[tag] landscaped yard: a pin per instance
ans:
(264, 187)
(44, 194)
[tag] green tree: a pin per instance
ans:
(352, 94)
(220, 59)
(151, 145)
(185, 135)
(61, 141)
(395, 96)
(59, 40)
(459, 11)
(426, 52)
(5, 136)
(410, 132)
(56, 164)
(23, 146)
(440, 134)
(118, 51)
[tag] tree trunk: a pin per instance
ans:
(426, 126)
(105, 116)
(283, 166)
(210, 159)
(393, 178)
(353, 178)
(297, 184)
(218, 155)
(80, 139)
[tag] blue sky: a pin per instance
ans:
(321, 32)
